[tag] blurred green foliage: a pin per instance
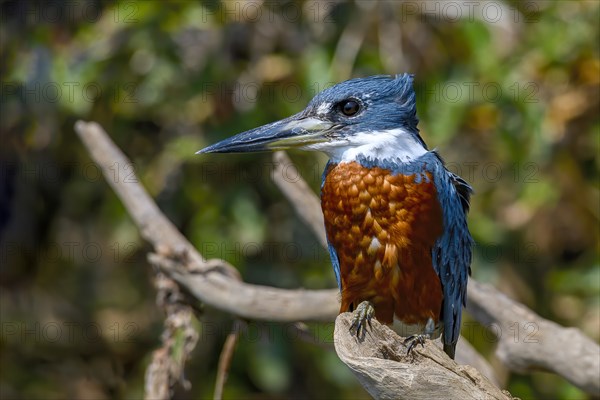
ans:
(507, 91)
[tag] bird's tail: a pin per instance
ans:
(450, 349)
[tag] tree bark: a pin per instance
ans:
(379, 361)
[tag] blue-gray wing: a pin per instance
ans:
(332, 253)
(452, 252)
(335, 262)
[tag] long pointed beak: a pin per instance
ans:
(295, 131)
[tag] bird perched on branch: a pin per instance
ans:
(395, 217)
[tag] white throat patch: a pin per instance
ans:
(389, 144)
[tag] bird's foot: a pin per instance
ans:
(362, 316)
(414, 340)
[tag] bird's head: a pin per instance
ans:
(374, 117)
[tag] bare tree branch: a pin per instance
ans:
(528, 342)
(252, 301)
(380, 363)
(213, 282)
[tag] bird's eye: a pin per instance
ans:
(349, 107)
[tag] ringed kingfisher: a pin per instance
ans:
(395, 217)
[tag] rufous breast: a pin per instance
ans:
(383, 227)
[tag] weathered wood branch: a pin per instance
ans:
(214, 281)
(380, 363)
(528, 342)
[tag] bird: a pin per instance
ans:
(395, 217)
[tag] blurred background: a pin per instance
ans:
(507, 91)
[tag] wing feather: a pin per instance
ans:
(453, 251)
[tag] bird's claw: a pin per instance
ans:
(414, 340)
(362, 317)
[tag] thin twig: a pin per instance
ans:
(226, 357)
